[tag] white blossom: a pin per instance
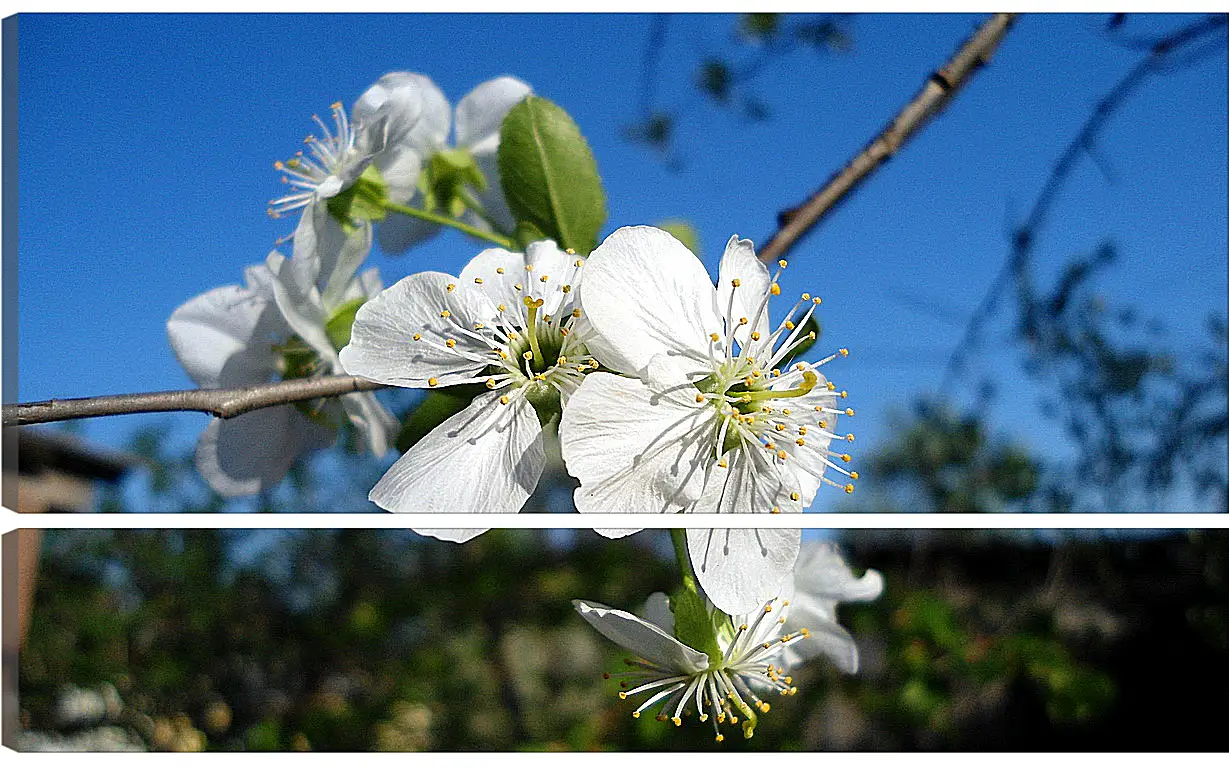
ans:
(710, 424)
(419, 122)
(758, 649)
(275, 326)
(506, 323)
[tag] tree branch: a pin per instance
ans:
(938, 90)
(1022, 241)
(222, 403)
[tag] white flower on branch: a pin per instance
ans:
(754, 651)
(286, 322)
(711, 425)
(428, 172)
(505, 323)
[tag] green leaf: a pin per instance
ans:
(435, 409)
(693, 624)
(684, 232)
(549, 175)
(338, 326)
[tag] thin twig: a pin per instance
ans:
(1025, 236)
(222, 403)
(938, 90)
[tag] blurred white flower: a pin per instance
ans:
(286, 322)
(507, 323)
(418, 164)
(711, 424)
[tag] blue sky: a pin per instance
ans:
(146, 146)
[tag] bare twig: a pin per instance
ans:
(938, 90)
(223, 403)
(1025, 236)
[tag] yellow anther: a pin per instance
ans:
(846, 457)
(478, 280)
(503, 400)
(789, 325)
(785, 411)
(445, 313)
(499, 270)
(770, 446)
(479, 326)
(756, 373)
(742, 321)
(450, 343)
(450, 287)
(844, 393)
(736, 282)
(563, 331)
(502, 307)
(811, 336)
(544, 278)
(800, 442)
(723, 464)
(623, 694)
(768, 608)
(802, 430)
(755, 335)
(775, 510)
(774, 289)
(502, 354)
(776, 371)
(804, 632)
(528, 267)
(567, 289)
(519, 286)
(849, 437)
(528, 355)
(765, 706)
(490, 384)
(831, 387)
(843, 352)
(794, 496)
(823, 424)
(431, 382)
(714, 337)
(676, 720)
(800, 366)
(817, 301)
(576, 313)
(849, 488)
(779, 427)
(806, 297)
(849, 411)
(782, 455)
(854, 475)
(720, 738)
(570, 251)
(561, 360)
(418, 337)
(579, 262)
(636, 715)
(699, 398)
(782, 263)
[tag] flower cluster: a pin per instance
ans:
(754, 651)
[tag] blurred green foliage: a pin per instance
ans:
(381, 640)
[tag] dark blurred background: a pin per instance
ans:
(383, 640)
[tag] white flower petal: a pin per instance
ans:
(645, 294)
(642, 638)
(827, 638)
(482, 111)
(741, 569)
(377, 426)
(657, 611)
(251, 453)
(223, 338)
(822, 573)
(298, 299)
(492, 198)
(412, 110)
(400, 169)
(486, 459)
(751, 483)
(382, 345)
(739, 263)
(546, 260)
(634, 451)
